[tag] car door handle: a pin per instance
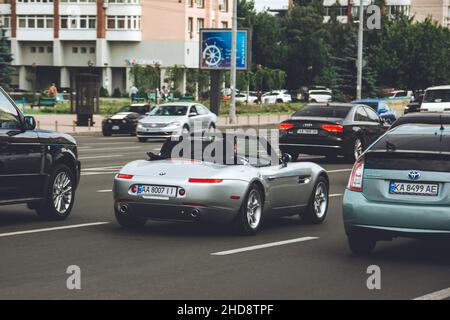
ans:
(271, 178)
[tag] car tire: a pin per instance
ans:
(107, 133)
(356, 150)
(60, 195)
(129, 222)
(186, 130)
(142, 139)
(294, 155)
(212, 128)
(361, 245)
(249, 219)
(317, 209)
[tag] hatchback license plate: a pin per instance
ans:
(416, 189)
(308, 131)
(116, 128)
(160, 191)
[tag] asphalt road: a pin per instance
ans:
(175, 261)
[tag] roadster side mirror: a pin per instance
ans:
(285, 159)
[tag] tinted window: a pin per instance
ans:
(361, 115)
(437, 96)
(414, 142)
(373, 105)
(169, 111)
(373, 116)
(9, 117)
(323, 112)
(135, 109)
(202, 110)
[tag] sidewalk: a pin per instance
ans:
(65, 122)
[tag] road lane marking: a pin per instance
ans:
(102, 157)
(10, 234)
(438, 295)
(110, 149)
(337, 195)
(104, 191)
(340, 170)
(263, 246)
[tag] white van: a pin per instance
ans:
(436, 99)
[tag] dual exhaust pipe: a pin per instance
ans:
(125, 209)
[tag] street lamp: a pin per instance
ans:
(233, 64)
(360, 51)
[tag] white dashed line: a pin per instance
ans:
(438, 295)
(10, 234)
(263, 246)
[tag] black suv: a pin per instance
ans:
(39, 168)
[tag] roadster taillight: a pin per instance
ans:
(196, 180)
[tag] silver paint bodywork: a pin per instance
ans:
(287, 189)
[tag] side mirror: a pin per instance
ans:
(285, 159)
(29, 123)
(193, 114)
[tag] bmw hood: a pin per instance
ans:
(162, 119)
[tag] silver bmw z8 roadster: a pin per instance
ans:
(234, 179)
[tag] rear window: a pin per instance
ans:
(437, 96)
(414, 143)
(323, 112)
(407, 161)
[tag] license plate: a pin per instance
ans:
(416, 189)
(307, 131)
(116, 128)
(157, 191)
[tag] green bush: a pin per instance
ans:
(104, 92)
(117, 93)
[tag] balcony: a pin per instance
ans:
(125, 9)
(124, 35)
(77, 34)
(35, 34)
(5, 9)
(77, 9)
(34, 8)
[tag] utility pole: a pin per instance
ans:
(360, 51)
(233, 64)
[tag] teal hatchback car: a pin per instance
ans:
(400, 187)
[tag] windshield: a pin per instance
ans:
(135, 109)
(323, 112)
(169, 111)
(232, 150)
(437, 96)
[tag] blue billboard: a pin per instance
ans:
(215, 49)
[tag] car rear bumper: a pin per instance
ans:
(320, 145)
(214, 203)
(123, 128)
(393, 219)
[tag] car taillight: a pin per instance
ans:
(355, 182)
(335, 128)
(195, 180)
(124, 176)
(285, 126)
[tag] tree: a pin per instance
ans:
(5, 62)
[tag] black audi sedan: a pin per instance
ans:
(332, 130)
(37, 167)
(125, 120)
(431, 118)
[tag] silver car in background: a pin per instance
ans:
(178, 118)
(242, 186)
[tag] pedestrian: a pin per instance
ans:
(134, 92)
(52, 91)
(165, 93)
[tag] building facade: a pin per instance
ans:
(439, 10)
(54, 40)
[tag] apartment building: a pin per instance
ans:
(439, 10)
(54, 40)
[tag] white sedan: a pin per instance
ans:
(276, 97)
(244, 98)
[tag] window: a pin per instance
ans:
(200, 3)
(35, 22)
(49, 49)
(5, 21)
(41, 49)
(223, 5)
(9, 116)
(323, 111)
(200, 24)
(92, 50)
(361, 115)
(373, 116)
(191, 3)
(78, 22)
(74, 49)
(224, 24)
(83, 50)
(33, 49)
(123, 23)
(190, 25)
